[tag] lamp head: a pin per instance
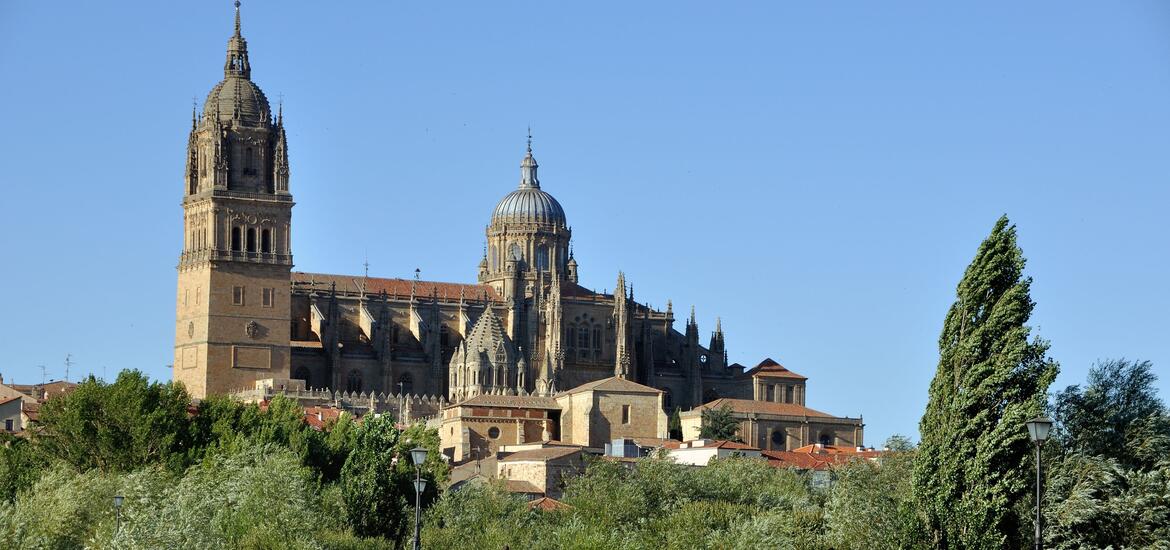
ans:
(420, 485)
(418, 455)
(1039, 428)
(118, 501)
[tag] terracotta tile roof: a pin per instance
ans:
(837, 450)
(612, 383)
(723, 444)
(525, 487)
(764, 407)
(574, 290)
(546, 504)
(395, 287)
(541, 455)
(511, 401)
(801, 461)
(320, 417)
(4, 400)
(772, 369)
(32, 410)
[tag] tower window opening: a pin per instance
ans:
(266, 240)
(251, 239)
(249, 166)
(236, 244)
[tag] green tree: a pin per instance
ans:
(117, 427)
(1117, 415)
(973, 464)
(871, 503)
(719, 423)
(377, 480)
(674, 424)
(21, 464)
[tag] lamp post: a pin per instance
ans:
(118, 512)
(418, 455)
(1038, 429)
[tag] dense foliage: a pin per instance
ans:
(718, 423)
(219, 475)
(970, 473)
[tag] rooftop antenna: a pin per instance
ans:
(417, 271)
(68, 363)
(42, 375)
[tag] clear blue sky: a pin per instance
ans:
(818, 174)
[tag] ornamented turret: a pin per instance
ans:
(717, 348)
(237, 219)
(621, 316)
(485, 362)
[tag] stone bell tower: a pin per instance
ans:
(233, 311)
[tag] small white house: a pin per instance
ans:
(700, 451)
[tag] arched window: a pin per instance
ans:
(355, 381)
(825, 439)
(516, 252)
(444, 336)
(303, 374)
(405, 383)
(778, 440)
(570, 337)
(583, 341)
(667, 399)
(542, 258)
(251, 239)
(236, 239)
(597, 341)
(266, 240)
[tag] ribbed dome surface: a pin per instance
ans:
(234, 93)
(529, 205)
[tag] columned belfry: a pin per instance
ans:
(233, 311)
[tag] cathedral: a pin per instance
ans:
(525, 326)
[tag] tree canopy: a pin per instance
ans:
(971, 470)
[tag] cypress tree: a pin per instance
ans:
(974, 471)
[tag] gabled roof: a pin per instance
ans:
(546, 504)
(396, 287)
(800, 461)
(541, 455)
(745, 406)
(524, 487)
(4, 400)
(612, 383)
(510, 401)
(772, 369)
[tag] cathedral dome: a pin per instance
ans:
(529, 206)
(238, 98)
(528, 203)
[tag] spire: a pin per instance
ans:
(692, 320)
(528, 166)
(719, 325)
(237, 53)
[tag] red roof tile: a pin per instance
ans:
(546, 504)
(763, 407)
(772, 369)
(395, 287)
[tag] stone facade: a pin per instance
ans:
(232, 308)
(479, 426)
(780, 426)
(546, 468)
(242, 315)
(596, 413)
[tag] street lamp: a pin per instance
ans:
(418, 455)
(1038, 429)
(118, 512)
